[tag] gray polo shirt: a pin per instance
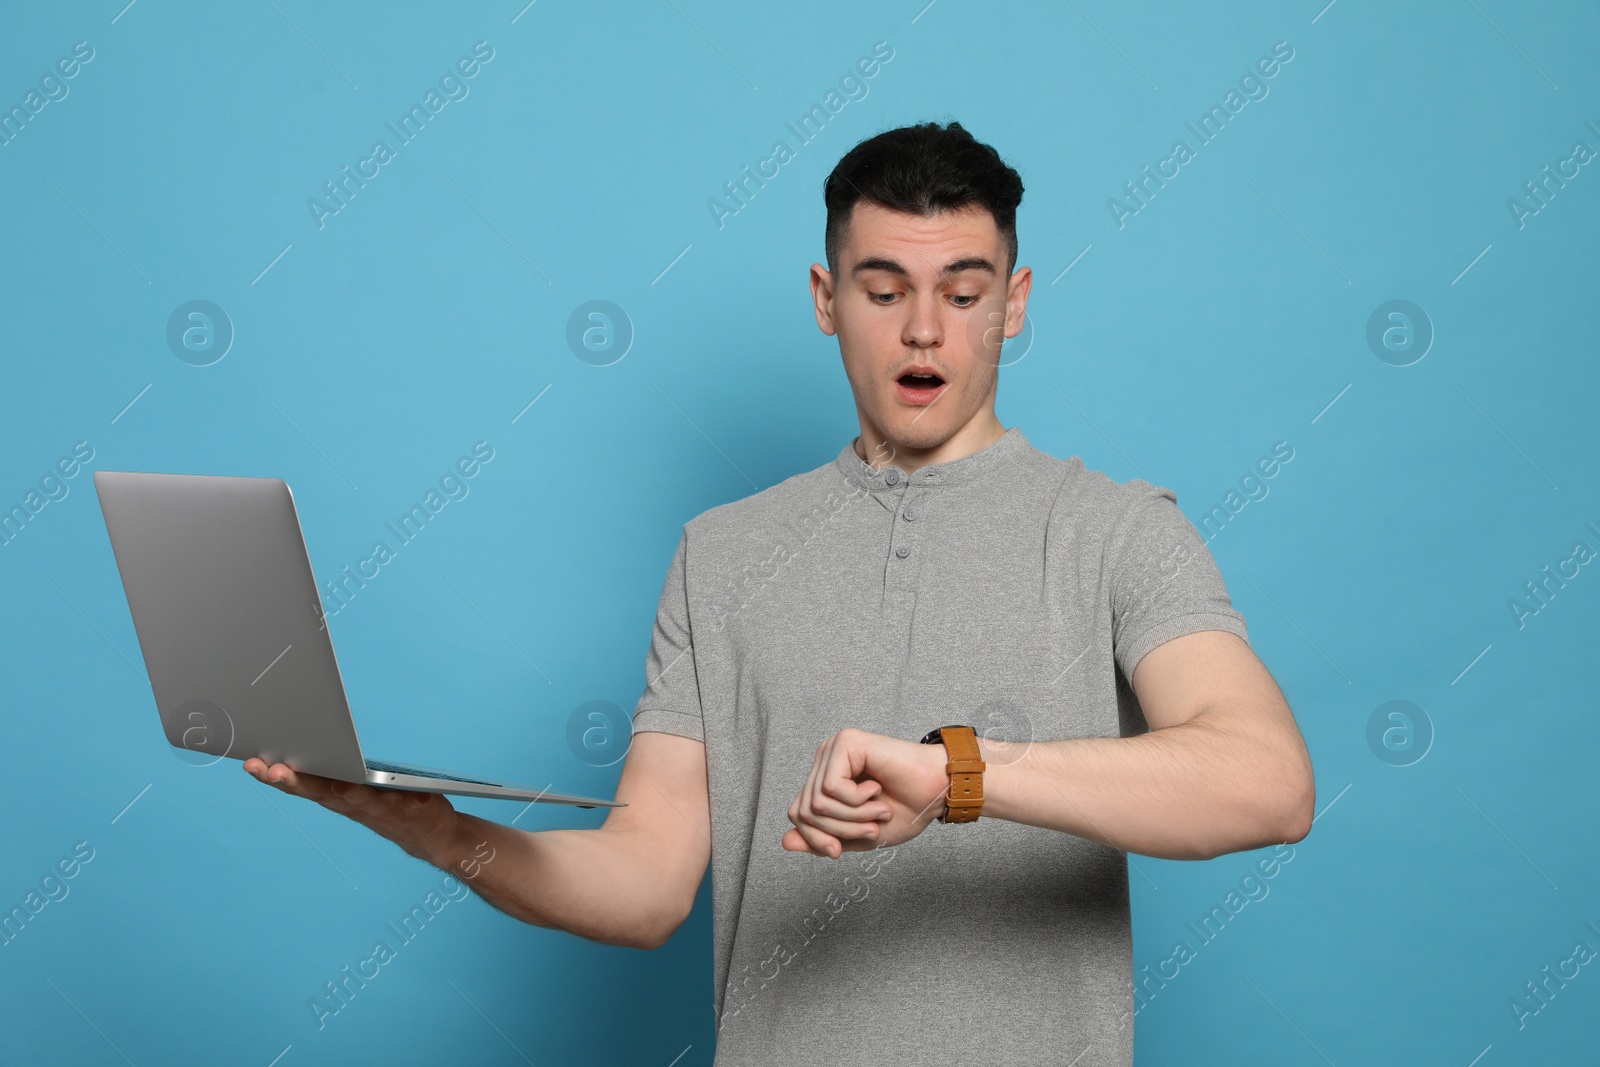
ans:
(1009, 590)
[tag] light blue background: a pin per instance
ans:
(1229, 314)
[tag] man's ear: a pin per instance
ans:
(1017, 299)
(822, 298)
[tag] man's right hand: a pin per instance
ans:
(420, 823)
(630, 881)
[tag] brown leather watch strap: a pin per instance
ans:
(965, 767)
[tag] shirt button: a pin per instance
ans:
(892, 477)
(902, 551)
(907, 513)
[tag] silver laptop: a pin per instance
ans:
(233, 634)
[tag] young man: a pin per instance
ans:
(940, 570)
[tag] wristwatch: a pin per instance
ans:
(965, 767)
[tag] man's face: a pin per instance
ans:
(920, 305)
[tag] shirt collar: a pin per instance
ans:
(981, 464)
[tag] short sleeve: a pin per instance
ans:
(670, 703)
(1163, 580)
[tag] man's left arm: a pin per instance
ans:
(1222, 769)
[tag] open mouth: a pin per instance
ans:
(919, 387)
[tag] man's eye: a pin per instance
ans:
(972, 300)
(874, 297)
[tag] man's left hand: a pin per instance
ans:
(867, 790)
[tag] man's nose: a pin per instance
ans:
(924, 328)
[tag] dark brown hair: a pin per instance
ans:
(922, 170)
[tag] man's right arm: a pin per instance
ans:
(630, 881)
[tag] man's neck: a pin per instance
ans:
(876, 450)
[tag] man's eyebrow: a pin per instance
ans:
(893, 266)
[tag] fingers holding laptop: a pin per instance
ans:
(407, 818)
